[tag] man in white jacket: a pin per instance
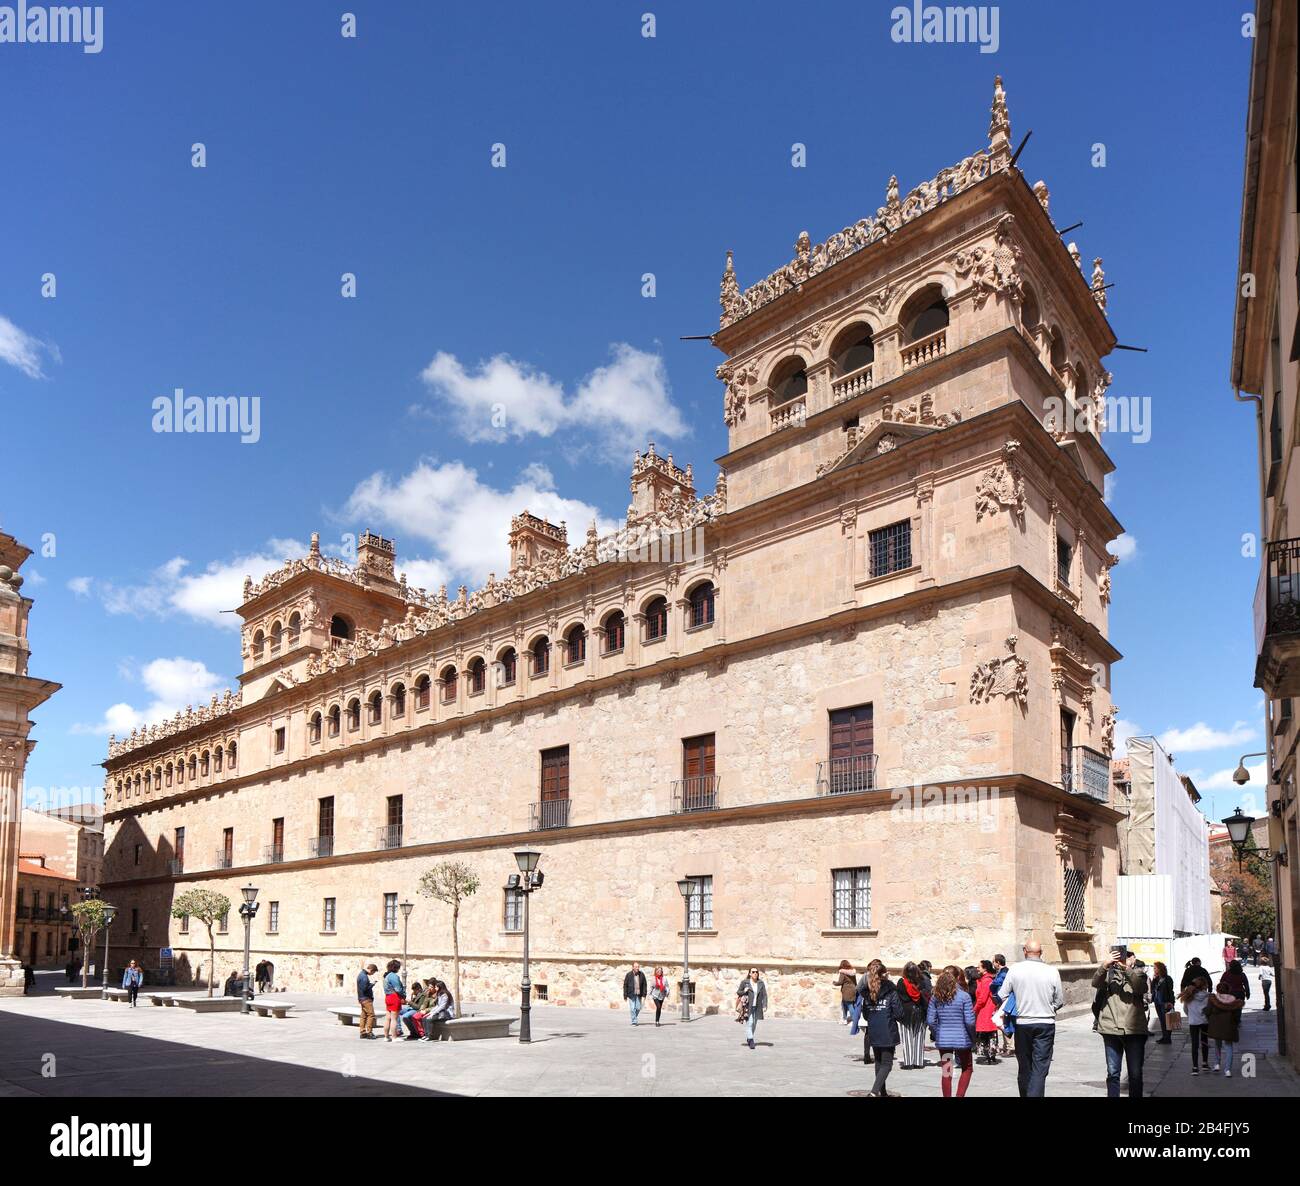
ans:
(1037, 988)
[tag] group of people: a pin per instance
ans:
(415, 1010)
(1217, 1014)
(971, 1014)
(1252, 951)
(636, 988)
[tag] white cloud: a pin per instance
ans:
(1108, 488)
(1124, 546)
(173, 683)
(1201, 736)
(466, 522)
(1123, 731)
(1221, 780)
(173, 589)
(21, 350)
(615, 410)
(34, 578)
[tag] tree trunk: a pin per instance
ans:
(212, 958)
(85, 962)
(455, 954)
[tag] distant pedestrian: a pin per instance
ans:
(985, 1007)
(394, 999)
(1036, 987)
(1122, 1021)
(1256, 949)
(658, 991)
(132, 978)
(1229, 951)
(754, 992)
(263, 976)
(634, 991)
(951, 1018)
(234, 986)
(1223, 1017)
(270, 975)
(1234, 982)
(366, 998)
(882, 1012)
(1270, 948)
(1192, 970)
(29, 979)
(1162, 995)
(846, 980)
(914, 1001)
(1266, 979)
(999, 999)
(72, 969)
(1196, 998)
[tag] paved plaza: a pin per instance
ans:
(100, 1048)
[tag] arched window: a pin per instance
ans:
(448, 681)
(205, 763)
(422, 692)
(259, 644)
(1030, 315)
(232, 753)
(334, 718)
(376, 707)
(194, 767)
(354, 715)
(700, 608)
(541, 651)
(853, 349)
(119, 788)
(137, 784)
(399, 700)
(314, 728)
(926, 314)
(340, 627)
(1057, 351)
(575, 643)
(615, 631)
(789, 380)
(216, 759)
(656, 619)
(476, 674)
(507, 666)
(148, 781)
(180, 771)
(295, 628)
(277, 635)
(169, 774)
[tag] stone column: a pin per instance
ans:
(13, 757)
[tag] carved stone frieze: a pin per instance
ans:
(1005, 676)
(1002, 487)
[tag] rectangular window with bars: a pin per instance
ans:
(851, 899)
(891, 548)
(390, 912)
(512, 916)
(273, 918)
(1075, 914)
(327, 915)
(700, 903)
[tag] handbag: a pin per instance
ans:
(1173, 1021)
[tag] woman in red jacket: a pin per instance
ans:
(985, 1007)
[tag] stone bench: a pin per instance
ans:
(80, 994)
(458, 1029)
(212, 1004)
(272, 1008)
(116, 994)
(347, 1014)
(170, 999)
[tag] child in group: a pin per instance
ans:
(1195, 1000)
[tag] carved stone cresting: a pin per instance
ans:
(1007, 676)
(1003, 486)
(811, 259)
(993, 271)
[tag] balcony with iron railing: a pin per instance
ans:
(24, 912)
(1277, 620)
(225, 860)
(390, 836)
(321, 846)
(176, 866)
(273, 854)
(698, 793)
(844, 776)
(925, 350)
(1085, 771)
(854, 383)
(549, 813)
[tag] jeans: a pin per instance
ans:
(634, 1007)
(1035, 1043)
(846, 1008)
(407, 1018)
(1200, 1047)
(750, 1023)
(1267, 986)
(132, 991)
(884, 1064)
(1121, 1048)
(1223, 1052)
(1160, 1016)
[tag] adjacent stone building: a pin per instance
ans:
(1265, 358)
(858, 693)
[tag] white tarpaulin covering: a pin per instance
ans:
(1177, 844)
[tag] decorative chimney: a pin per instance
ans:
(533, 540)
(375, 554)
(658, 484)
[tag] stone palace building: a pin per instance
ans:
(858, 692)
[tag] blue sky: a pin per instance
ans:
(625, 155)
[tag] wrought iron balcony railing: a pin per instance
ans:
(321, 846)
(843, 776)
(24, 912)
(273, 854)
(176, 866)
(549, 813)
(1277, 598)
(699, 793)
(1086, 772)
(225, 860)
(390, 836)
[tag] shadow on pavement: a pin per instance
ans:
(56, 1058)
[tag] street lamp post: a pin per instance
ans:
(684, 888)
(406, 908)
(528, 879)
(246, 912)
(63, 921)
(110, 912)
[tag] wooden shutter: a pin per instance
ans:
(277, 833)
(697, 756)
(555, 773)
(852, 732)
